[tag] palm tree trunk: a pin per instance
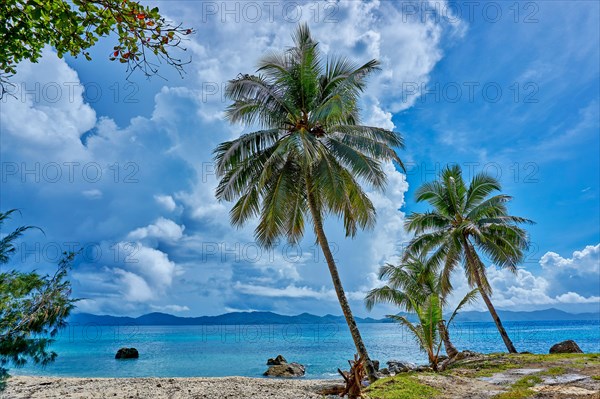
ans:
(509, 345)
(433, 361)
(339, 290)
(488, 302)
(451, 350)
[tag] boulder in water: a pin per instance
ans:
(279, 360)
(127, 353)
(286, 370)
(568, 346)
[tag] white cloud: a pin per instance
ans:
(170, 308)
(166, 201)
(582, 262)
(565, 281)
(49, 112)
(162, 229)
(153, 265)
(573, 297)
(134, 287)
(291, 291)
(580, 273)
(172, 153)
(92, 194)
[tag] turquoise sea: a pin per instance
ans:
(213, 351)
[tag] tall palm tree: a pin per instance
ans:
(415, 286)
(465, 220)
(311, 153)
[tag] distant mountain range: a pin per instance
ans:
(536, 315)
(163, 319)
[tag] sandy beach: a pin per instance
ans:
(21, 387)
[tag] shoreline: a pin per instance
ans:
(497, 376)
(39, 387)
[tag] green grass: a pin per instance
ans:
(515, 394)
(497, 363)
(493, 363)
(520, 389)
(487, 370)
(405, 386)
(596, 377)
(554, 371)
(576, 357)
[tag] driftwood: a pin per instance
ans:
(353, 379)
(332, 390)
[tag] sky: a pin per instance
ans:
(122, 167)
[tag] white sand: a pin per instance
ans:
(20, 387)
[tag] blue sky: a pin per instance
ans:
(123, 169)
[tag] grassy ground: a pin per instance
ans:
(500, 376)
(403, 386)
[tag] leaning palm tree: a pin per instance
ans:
(310, 154)
(415, 286)
(465, 220)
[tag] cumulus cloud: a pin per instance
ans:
(291, 291)
(166, 201)
(564, 281)
(133, 287)
(170, 308)
(47, 112)
(163, 162)
(408, 44)
(162, 229)
(580, 273)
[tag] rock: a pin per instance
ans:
(465, 354)
(277, 361)
(384, 371)
(441, 358)
(525, 353)
(568, 346)
(286, 370)
(376, 364)
(396, 366)
(423, 368)
(127, 353)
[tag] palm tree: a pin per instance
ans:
(415, 286)
(465, 220)
(310, 154)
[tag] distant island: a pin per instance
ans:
(164, 319)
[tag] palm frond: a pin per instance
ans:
(468, 299)
(387, 294)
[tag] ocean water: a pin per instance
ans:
(215, 351)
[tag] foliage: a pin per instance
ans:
(555, 371)
(310, 156)
(32, 308)
(310, 146)
(72, 27)
(415, 286)
(463, 221)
